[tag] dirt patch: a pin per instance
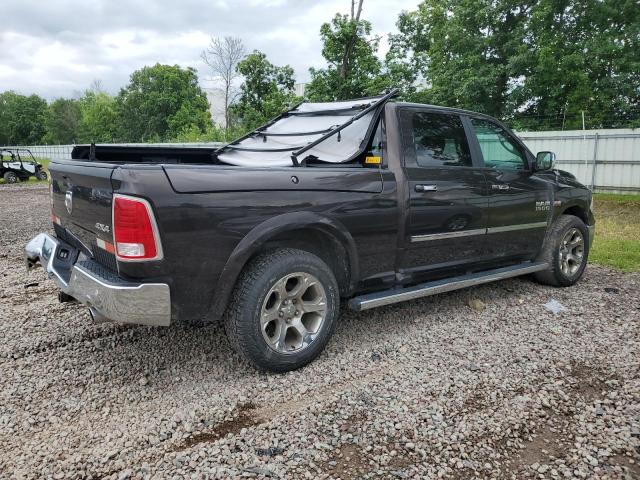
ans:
(555, 437)
(629, 470)
(589, 383)
(347, 462)
(549, 443)
(243, 418)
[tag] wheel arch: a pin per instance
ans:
(577, 209)
(322, 236)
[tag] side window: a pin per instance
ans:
(440, 141)
(499, 150)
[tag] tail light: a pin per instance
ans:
(135, 232)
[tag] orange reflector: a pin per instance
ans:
(373, 160)
(55, 219)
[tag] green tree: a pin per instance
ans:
(353, 69)
(537, 64)
(583, 56)
(160, 102)
(467, 52)
(62, 121)
(22, 119)
(99, 119)
(266, 92)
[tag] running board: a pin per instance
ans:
(387, 297)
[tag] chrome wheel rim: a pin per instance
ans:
(293, 313)
(571, 252)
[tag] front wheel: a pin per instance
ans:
(283, 310)
(41, 175)
(566, 250)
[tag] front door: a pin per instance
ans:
(448, 198)
(520, 202)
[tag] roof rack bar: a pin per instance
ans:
(295, 134)
(335, 111)
(250, 149)
(373, 106)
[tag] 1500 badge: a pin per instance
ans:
(542, 206)
(102, 227)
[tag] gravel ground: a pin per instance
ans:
(481, 383)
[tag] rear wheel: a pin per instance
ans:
(566, 250)
(284, 310)
(10, 177)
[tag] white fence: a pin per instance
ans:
(604, 160)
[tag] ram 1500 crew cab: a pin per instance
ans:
(369, 200)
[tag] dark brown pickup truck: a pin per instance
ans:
(367, 200)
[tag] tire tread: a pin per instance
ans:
(553, 276)
(235, 324)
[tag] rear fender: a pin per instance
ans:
(254, 241)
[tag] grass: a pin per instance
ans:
(617, 241)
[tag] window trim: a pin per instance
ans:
(409, 159)
(474, 139)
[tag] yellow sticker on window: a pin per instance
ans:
(373, 160)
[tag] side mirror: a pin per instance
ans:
(545, 161)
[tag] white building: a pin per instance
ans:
(216, 105)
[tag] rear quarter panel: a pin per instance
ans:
(204, 213)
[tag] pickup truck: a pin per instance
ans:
(369, 201)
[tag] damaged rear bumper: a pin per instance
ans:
(109, 297)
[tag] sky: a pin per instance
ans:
(57, 48)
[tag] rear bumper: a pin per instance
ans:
(109, 297)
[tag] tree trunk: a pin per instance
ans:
(226, 109)
(346, 58)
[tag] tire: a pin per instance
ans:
(557, 250)
(264, 320)
(11, 177)
(41, 175)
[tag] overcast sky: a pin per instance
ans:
(58, 47)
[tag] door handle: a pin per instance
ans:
(501, 186)
(426, 188)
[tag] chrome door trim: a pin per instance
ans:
(440, 236)
(477, 231)
(520, 226)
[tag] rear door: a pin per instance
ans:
(519, 202)
(448, 197)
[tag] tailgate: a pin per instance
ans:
(81, 196)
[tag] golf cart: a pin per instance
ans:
(18, 164)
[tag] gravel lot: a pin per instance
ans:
(427, 389)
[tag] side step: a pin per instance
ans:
(387, 297)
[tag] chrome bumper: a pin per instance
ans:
(109, 297)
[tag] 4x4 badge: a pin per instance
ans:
(68, 201)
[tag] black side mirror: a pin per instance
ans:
(545, 161)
